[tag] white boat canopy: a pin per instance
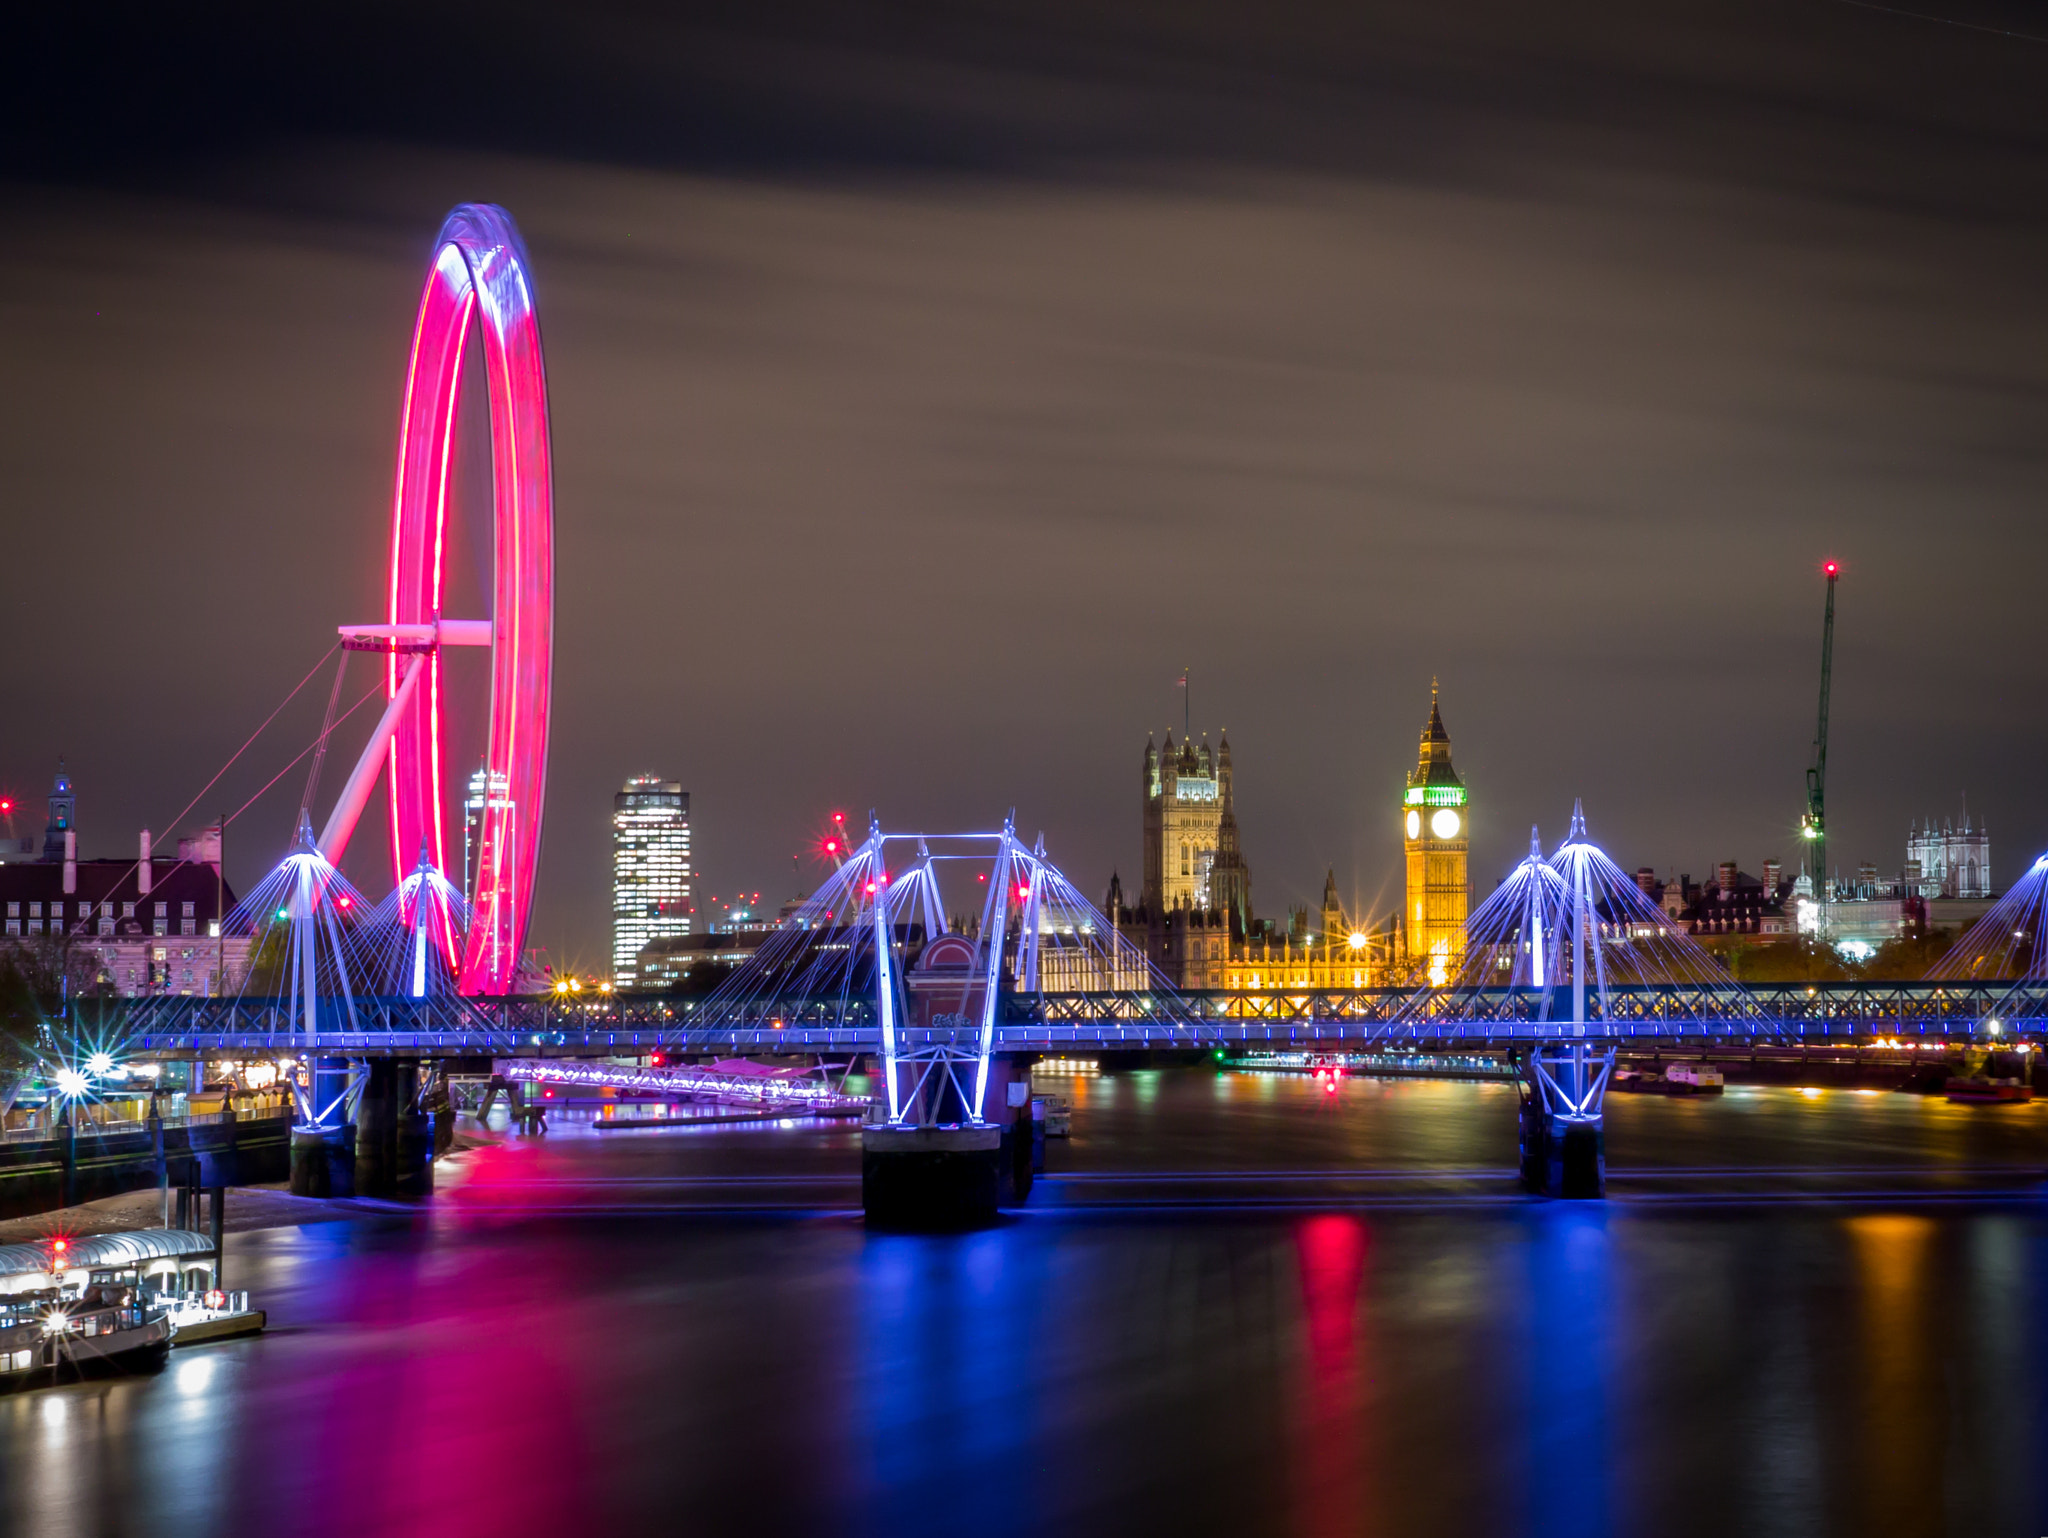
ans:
(105, 1252)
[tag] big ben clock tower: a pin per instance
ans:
(1437, 841)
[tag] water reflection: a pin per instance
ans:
(1336, 1453)
(1571, 1362)
(946, 1385)
(588, 1335)
(1901, 1397)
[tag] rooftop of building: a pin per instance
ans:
(118, 881)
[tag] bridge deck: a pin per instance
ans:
(1835, 1013)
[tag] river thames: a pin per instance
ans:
(1235, 1304)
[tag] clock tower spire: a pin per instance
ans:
(1437, 841)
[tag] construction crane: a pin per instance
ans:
(1813, 827)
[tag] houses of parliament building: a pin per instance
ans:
(1193, 916)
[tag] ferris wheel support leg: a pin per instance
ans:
(355, 795)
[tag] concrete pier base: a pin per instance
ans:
(323, 1161)
(413, 1174)
(377, 1130)
(931, 1178)
(1563, 1156)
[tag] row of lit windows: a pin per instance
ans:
(1321, 978)
(105, 926)
(85, 910)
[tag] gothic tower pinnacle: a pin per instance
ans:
(1436, 840)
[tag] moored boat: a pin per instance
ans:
(1694, 1079)
(89, 1307)
(46, 1338)
(202, 1317)
(1676, 1079)
(1988, 1091)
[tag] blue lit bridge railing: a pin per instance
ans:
(1815, 1013)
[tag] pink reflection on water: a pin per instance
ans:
(460, 1380)
(1333, 1432)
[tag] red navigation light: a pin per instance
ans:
(871, 886)
(655, 1060)
(342, 902)
(1023, 889)
(1833, 568)
(831, 846)
(839, 816)
(1330, 1086)
(6, 804)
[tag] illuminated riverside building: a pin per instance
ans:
(487, 792)
(145, 925)
(1332, 954)
(1437, 840)
(650, 870)
(1193, 918)
(1949, 862)
(1191, 830)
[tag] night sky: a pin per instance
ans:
(933, 383)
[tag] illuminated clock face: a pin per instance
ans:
(1444, 824)
(1415, 824)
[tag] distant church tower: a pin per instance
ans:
(1189, 822)
(1438, 842)
(63, 810)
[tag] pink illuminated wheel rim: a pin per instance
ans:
(479, 267)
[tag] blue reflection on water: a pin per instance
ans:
(1571, 1364)
(947, 1391)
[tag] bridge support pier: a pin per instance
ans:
(394, 1136)
(323, 1161)
(931, 1178)
(1563, 1121)
(413, 1138)
(377, 1130)
(324, 1151)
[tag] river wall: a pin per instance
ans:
(41, 1174)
